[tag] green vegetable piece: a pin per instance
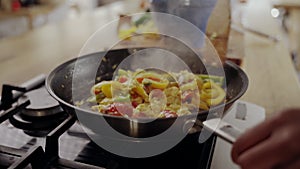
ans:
(217, 79)
(122, 72)
(122, 99)
(144, 19)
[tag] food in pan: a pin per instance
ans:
(151, 94)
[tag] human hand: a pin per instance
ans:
(274, 143)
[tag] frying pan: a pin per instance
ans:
(59, 85)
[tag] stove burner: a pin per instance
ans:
(37, 126)
(41, 103)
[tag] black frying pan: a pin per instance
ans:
(59, 85)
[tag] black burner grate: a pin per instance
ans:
(187, 154)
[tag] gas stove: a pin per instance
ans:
(37, 133)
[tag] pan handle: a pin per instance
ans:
(188, 126)
(226, 131)
(10, 94)
(192, 126)
(31, 84)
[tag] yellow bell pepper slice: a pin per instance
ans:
(127, 33)
(152, 79)
(106, 89)
(155, 84)
(100, 86)
(219, 99)
(203, 106)
(138, 88)
(210, 93)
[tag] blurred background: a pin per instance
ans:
(20, 16)
(36, 32)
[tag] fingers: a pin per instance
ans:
(266, 154)
(271, 143)
(252, 137)
(295, 164)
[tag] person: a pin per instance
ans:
(274, 143)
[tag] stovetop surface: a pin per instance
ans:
(75, 145)
(71, 142)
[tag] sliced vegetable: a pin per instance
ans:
(167, 114)
(99, 97)
(125, 109)
(217, 79)
(127, 33)
(219, 99)
(144, 94)
(155, 84)
(210, 93)
(203, 105)
(158, 100)
(106, 89)
(149, 74)
(122, 72)
(187, 96)
(145, 18)
(199, 82)
(122, 98)
(189, 86)
(123, 79)
(140, 90)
